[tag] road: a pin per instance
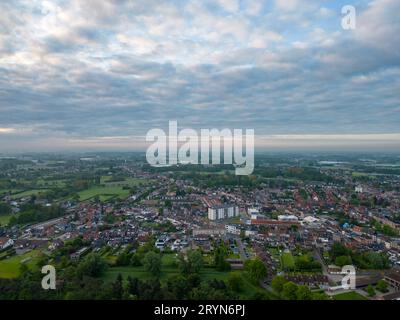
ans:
(242, 252)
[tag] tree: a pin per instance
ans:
(4, 208)
(343, 261)
(304, 293)
(133, 286)
(92, 265)
(135, 260)
(152, 263)
(382, 286)
(178, 286)
(371, 291)
(289, 291)
(117, 287)
(277, 283)
(190, 263)
(123, 259)
(256, 269)
(220, 258)
(235, 281)
(339, 249)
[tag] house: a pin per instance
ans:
(6, 242)
(393, 279)
(333, 269)
(313, 281)
(77, 255)
(392, 296)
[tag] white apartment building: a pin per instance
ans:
(223, 212)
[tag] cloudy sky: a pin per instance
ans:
(91, 74)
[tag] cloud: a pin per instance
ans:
(6, 130)
(78, 70)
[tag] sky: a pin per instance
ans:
(88, 74)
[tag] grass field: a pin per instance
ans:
(166, 273)
(4, 218)
(27, 193)
(352, 295)
(129, 181)
(169, 269)
(287, 260)
(104, 193)
(10, 268)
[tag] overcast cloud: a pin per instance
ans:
(100, 74)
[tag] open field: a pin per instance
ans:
(129, 181)
(169, 269)
(10, 268)
(4, 218)
(166, 273)
(27, 193)
(105, 193)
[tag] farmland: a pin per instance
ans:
(10, 268)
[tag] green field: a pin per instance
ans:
(4, 218)
(104, 193)
(129, 181)
(166, 273)
(10, 268)
(169, 269)
(352, 295)
(359, 174)
(27, 193)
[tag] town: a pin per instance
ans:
(116, 228)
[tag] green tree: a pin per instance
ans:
(371, 291)
(152, 263)
(256, 269)
(343, 261)
(117, 287)
(338, 249)
(4, 208)
(235, 281)
(289, 291)
(277, 283)
(304, 293)
(178, 286)
(382, 286)
(92, 265)
(190, 263)
(220, 254)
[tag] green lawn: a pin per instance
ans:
(10, 268)
(352, 295)
(104, 193)
(51, 183)
(4, 218)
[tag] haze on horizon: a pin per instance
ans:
(97, 75)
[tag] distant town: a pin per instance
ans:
(114, 227)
